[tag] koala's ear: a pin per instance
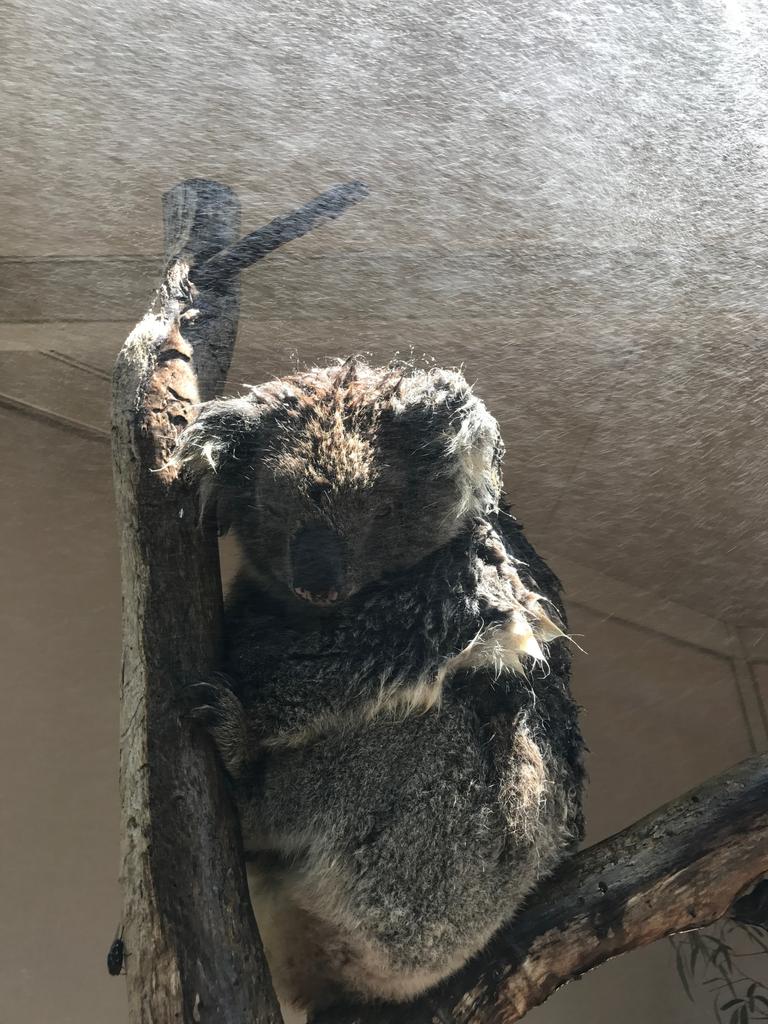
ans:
(218, 449)
(464, 437)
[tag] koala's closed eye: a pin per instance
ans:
(363, 471)
(386, 509)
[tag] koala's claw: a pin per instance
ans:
(216, 707)
(201, 701)
(205, 714)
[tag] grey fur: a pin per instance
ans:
(404, 753)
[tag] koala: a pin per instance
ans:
(393, 710)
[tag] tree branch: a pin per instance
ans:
(682, 867)
(194, 954)
(234, 258)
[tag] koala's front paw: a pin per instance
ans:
(215, 706)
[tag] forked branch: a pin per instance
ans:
(194, 952)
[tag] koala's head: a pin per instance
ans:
(335, 477)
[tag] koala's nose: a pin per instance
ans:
(317, 563)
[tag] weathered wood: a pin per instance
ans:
(193, 949)
(682, 867)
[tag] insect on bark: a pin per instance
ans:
(116, 955)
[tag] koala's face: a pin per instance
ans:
(333, 478)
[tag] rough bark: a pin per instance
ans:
(193, 949)
(682, 867)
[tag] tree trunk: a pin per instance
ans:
(194, 953)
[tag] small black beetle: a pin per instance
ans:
(116, 955)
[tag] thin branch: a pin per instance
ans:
(682, 867)
(234, 258)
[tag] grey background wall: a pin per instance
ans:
(567, 198)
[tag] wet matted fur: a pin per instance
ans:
(402, 744)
